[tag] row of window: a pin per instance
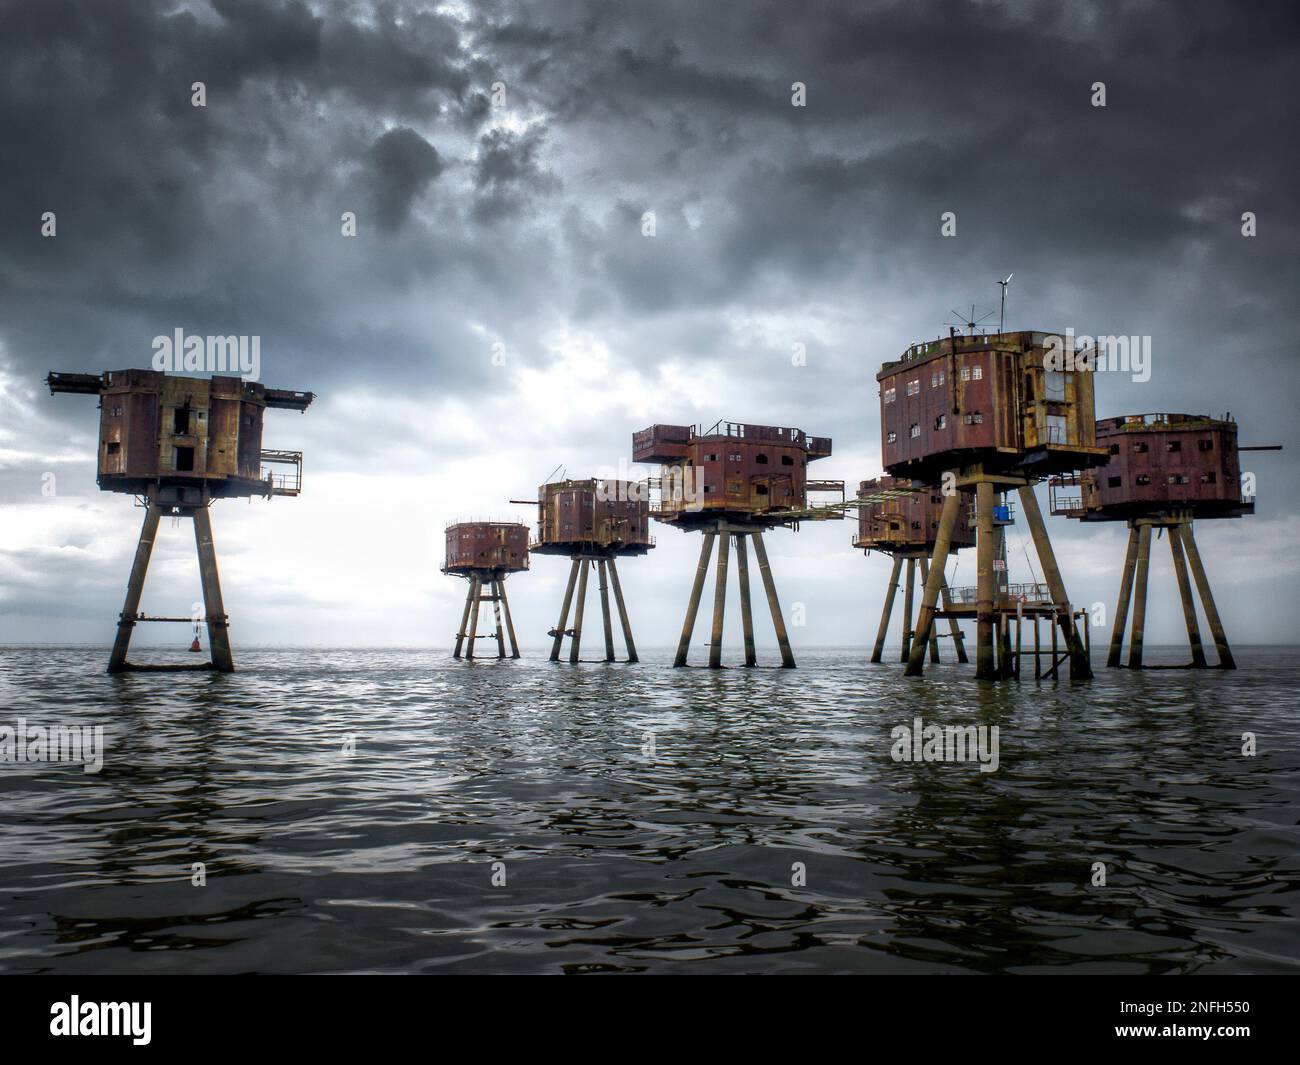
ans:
(760, 459)
(970, 418)
(968, 373)
(1174, 478)
(1141, 447)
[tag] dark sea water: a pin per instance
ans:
(622, 858)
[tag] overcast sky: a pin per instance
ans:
(519, 223)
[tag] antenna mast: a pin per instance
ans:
(1003, 315)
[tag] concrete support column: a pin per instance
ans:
(693, 606)
(560, 629)
(985, 548)
(746, 614)
(575, 645)
(218, 624)
(1125, 595)
(883, 631)
(942, 544)
(1140, 598)
(778, 621)
(1080, 667)
(134, 589)
(622, 612)
(1185, 594)
(1226, 661)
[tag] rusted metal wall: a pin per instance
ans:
(908, 521)
(486, 545)
(595, 514)
(989, 399)
(1169, 462)
(161, 428)
(734, 469)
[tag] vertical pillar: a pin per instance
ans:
(475, 590)
(746, 614)
(1140, 597)
(575, 645)
(510, 625)
(1185, 594)
(1080, 667)
(908, 598)
(693, 606)
(464, 618)
(1038, 652)
(985, 547)
(218, 624)
(622, 611)
(942, 540)
(1020, 619)
(134, 589)
(1226, 661)
(778, 622)
(604, 610)
(1125, 594)
(720, 601)
(883, 631)
(564, 612)
(934, 637)
(496, 616)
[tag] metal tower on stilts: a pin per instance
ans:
(1164, 471)
(593, 523)
(485, 553)
(980, 416)
(178, 444)
(902, 522)
(733, 483)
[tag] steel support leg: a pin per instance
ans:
(934, 636)
(622, 612)
(576, 645)
(1080, 667)
(604, 611)
(985, 547)
(558, 644)
(930, 595)
(218, 624)
(746, 612)
(475, 591)
(134, 589)
(510, 625)
(496, 616)
(1125, 595)
(882, 632)
(720, 601)
(1185, 594)
(778, 622)
(1226, 661)
(1140, 598)
(909, 590)
(693, 606)
(464, 619)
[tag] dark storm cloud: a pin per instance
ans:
(773, 223)
(405, 164)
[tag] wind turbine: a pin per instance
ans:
(1002, 316)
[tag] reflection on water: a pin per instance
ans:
(648, 819)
